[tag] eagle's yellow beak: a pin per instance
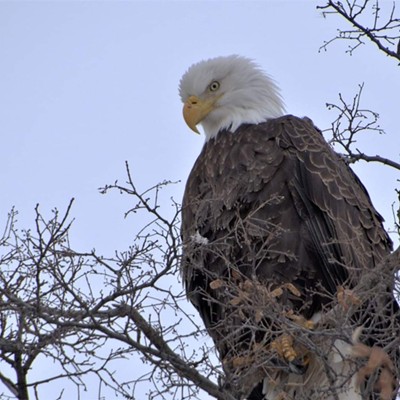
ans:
(196, 109)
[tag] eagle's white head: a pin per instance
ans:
(226, 92)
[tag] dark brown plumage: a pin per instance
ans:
(273, 203)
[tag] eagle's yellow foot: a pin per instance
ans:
(295, 354)
(283, 345)
(378, 359)
(296, 358)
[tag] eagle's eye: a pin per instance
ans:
(214, 86)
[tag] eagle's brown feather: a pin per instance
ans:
(277, 205)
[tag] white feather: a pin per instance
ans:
(249, 95)
(198, 239)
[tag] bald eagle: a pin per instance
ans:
(278, 235)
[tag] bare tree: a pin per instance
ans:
(369, 21)
(88, 315)
(352, 121)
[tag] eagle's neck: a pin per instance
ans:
(229, 116)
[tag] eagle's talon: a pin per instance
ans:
(295, 362)
(297, 367)
(283, 345)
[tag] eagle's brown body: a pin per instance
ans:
(273, 204)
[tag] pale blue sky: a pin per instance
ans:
(85, 86)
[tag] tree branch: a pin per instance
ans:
(385, 36)
(351, 122)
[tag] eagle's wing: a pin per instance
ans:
(275, 201)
